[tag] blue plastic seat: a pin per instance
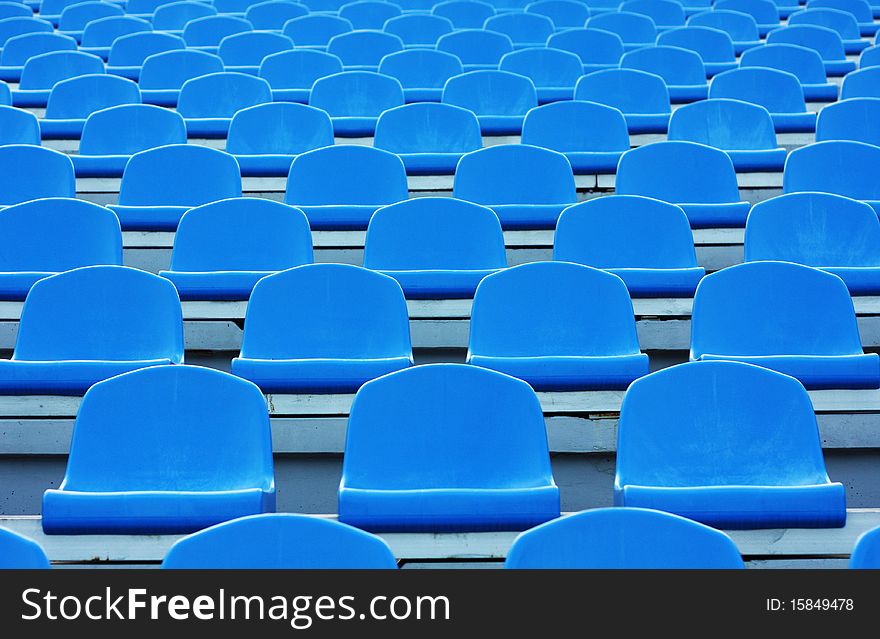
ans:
(163, 74)
(147, 458)
(635, 30)
(75, 17)
(764, 12)
(128, 53)
(565, 14)
(18, 126)
(714, 46)
(597, 49)
(412, 462)
(553, 72)
(592, 136)
(800, 61)
(40, 73)
(860, 10)
(326, 6)
(666, 14)
(787, 317)
(355, 99)
(265, 138)
(144, 8)
(273, 14)
(500, 99)
(206, 33)
(645, 242)
(464, 14)
(159, 185)
(208, 102)
(869, 57)
(583, 338)
(421, 72)
(436, 248)
(11, 27)
(51, 9)
(115, 319)
(363, 49)
(291, 74)
(759, 462)
(623, 538)
(222, 249)
(20, 553)
(526, 186)
(233, 7)
(642, 97)
(824, 41)
(741, 27)
(244, 52)
(842, 167)
(523, 29)
(419, 29)
(280, 542)
(174, 15)
(341, 186)
(699, 178)
(369, 14)
(864, 83)
(430, 138)
(742, 130)
(854, 119)
(477, 49)
(866, 553)
(29, 172)
(777, 91)
(72, 101)
(15, 10)
(47, 236)
(99, 35)
(681, 69)
(841, 21)
(352, 327)
(831, 232)
(19, 49)
(315, 30)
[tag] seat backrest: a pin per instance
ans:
(324, 5)
(664, 13)
(19, 49)
(730, 125)
(428, 127)
(369, 14)
(356, 93)
(419, 28)
(363, 47)
(29, 172)
(522, 27)
(763, 11)
(625, 231)
(221, 95)
(800, 61)
(345, 312)
(131, 128)
(583, 311)
(712, 45)
(284, 128)
(777, 91)
(174, 15)
(593, 46)
(870, 57)
(299, 68)
(544, 67)
(565, 14)
(426, 419)
(103, 32)
(816, 229)
(675, 65)
(315, 30)
(233, 6)
(81, 96)
(346, 174)
(421, 68)
(250, 47)
(866, 553)
(144, 6)
(491, 92)
(15, 10)
(45, 70)
(242, 234)
(76, 16)
(514, 174)
(131, 50)
(629, 90)
(210, 30)
(11, 27)
(20, 553)
(824, 41)
(854, 119)
(464, 14)
(773, 308)
(58, 234)
(434, 233)
(574, 125)
(841, 21)
(843, 167)
(110, 313)
(179, 175)
(633, 28)
(18, 126)
(171, 69)
(860, 9)
(741, 27)
(274, 13)
(864, 83)
(280, 541)
(475, 46)
(623, 538)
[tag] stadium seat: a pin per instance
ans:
(144, 8)
(206, 33)
(163, 74)
(565, 14)
(597, 49)
(98, 35)
(645, 242)
(265, 138)
(412, 462)
(635, 30)
(355, 99)
(244, 52)
(40, 73)
(331, 6)
(714, 46)
(866, 553)
(111, 136)
(435, 247)
(579, 341)
(841, 21)
(826, 42)
(666, 14)
(830, 232)
(233, 7)
(681, 69)
(29, 172)
(159, 185)
(741, 27)
(363, 50)
(869, 57)
(20, 553)
(623, 538)
(429, 137)
(523, 29)
(18, 126)
(419, 29)
(642, 97)
(92, 323)
(222, 249)
(75, 17)
(842, 167)
(499, 99)
(355, 327)
(854, 119)
(759, 459)
(864, 83)
(777, 91)
(291, 74)
(208, 102)
(421, 72)
(699, 178)
(168, 449)
(553, 72)
(280, 542)
(464, 14)
(592, 136)
(315, 30)
(11, 27)
(72, 101)
(127, 53)
(742, 130)
(47, 236)
(272, 15)
(859, 9)
(341, 186)
(764, 12)
(15, 10)
(19, 49)
(526, 186)
(477, 49)
(174, 16)
(369, 14)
